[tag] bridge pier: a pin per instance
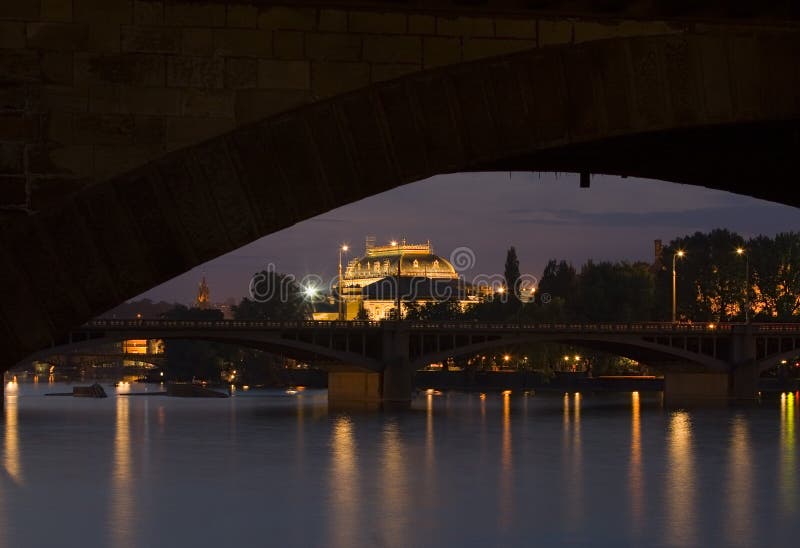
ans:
(690, 388)
(355, 390)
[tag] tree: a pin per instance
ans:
(775, 276)
(276, 297)
(559, 280)
(512, 275)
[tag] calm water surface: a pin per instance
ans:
(271, 469)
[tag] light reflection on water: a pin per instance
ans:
(635, 474)
(459, 469)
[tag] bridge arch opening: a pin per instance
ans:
(594, 107)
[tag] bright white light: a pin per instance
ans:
(310, 291)
(344, 247)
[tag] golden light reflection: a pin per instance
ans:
(506, 505)
(635, 476)
(394, 485)
(680, 487)
(788, 470)
(11, 439)
(739, 486)
(123, 507)
(345, 500)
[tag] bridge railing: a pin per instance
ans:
(224, 324)
(600, 327)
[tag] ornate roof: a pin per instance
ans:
(416, 260)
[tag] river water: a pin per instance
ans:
(267, 468)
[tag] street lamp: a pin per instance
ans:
(743, 251)
(679, 253)
(342, 248)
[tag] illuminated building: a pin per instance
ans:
(370, 281)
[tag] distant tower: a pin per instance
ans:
(202, 295)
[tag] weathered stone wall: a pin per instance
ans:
(92, 88)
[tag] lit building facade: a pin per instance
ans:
(369, 283)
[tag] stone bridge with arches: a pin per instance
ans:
(141, 138)
(375, 361)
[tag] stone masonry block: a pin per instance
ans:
(287, 18)
(393, 49)
(150, 39)
(60, 160)
(116, 129)
(12, 189)
(333, 47)
(104, 12)
(441, 51)
(242, 16)
(18, 126)
(23, 11)
(64, 98)
(57, 10)
(12, 158)
(333, 20)
(288, 44)
(553, 33)
(152, 101)
(243, 42)
(332, 78)
(277, 74)
(18, 66)
(136, 69)
(197, 72)
(57, 36)
(378, 23)
(195, 14)
(421, 24)
(515, 28)
(241, 73)
(391, 71)
(57, 67)
(197, 41)
(148, 12)
(12, 34)
(208, 103)
(465, 26)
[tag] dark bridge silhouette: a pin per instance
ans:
(376, 360)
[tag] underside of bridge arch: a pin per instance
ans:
(716, 110)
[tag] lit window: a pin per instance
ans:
(416, 263)
(436, 263)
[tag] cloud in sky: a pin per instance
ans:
(543, 215)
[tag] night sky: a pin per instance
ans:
(543, 215)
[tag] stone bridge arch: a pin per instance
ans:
(665, 107)
(293, 348)
(626, 346)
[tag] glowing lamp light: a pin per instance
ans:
(310, 291)
(501, 289)
(506, 357)
(344, 247)
(740, 251)
(681, 253)
(394, 243)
